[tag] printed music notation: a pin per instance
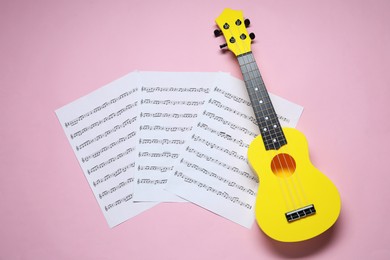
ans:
(102, 130)
(103, 106)
(168, 103)
(213, 190)
(153, 137)
(213, 163)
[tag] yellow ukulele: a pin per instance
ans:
(295, 201)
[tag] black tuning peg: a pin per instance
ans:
(217, 32)
(223, 45)
(247, 23)
(252, 36)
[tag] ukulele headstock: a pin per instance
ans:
(233, 27)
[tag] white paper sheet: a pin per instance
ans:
(102, 129)
(213, 171)
(169, 104)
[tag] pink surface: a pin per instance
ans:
(332, 57)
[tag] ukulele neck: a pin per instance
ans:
(267, 120)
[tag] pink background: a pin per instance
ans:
(331, 56)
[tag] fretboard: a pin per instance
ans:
(267, 120)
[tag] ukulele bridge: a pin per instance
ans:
(300, 213)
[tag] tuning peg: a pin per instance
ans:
(223, 45)
(247, 23)
(217, 32)
(252, 36)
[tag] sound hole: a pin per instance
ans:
(283, 165)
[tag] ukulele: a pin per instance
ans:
(295, 201)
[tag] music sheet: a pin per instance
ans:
(163, 136)
(212, 169)
(169, 104)
(102, 129)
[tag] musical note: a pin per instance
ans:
(165, 128)
(173, 89)
(78, 119)
(114, 174)
(102, 128)
(169, 105)
(106, 133)
(101, 121)
(171, 102)
(210, 189)
(150, 136)
(214, 164)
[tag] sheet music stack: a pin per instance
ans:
(152, 137)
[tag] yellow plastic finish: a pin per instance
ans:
(283, 192)
(232, 29)
(288, 180)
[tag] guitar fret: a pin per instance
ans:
(271, 136)
(267, 120)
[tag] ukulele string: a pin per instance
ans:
(276, 164)
(299, 192)
(286, 184)
(292, 177)
(284, 187)
(292, 174)
(298, 181)
(282, 181)
(280, 169)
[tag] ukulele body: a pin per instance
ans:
(295, 201)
